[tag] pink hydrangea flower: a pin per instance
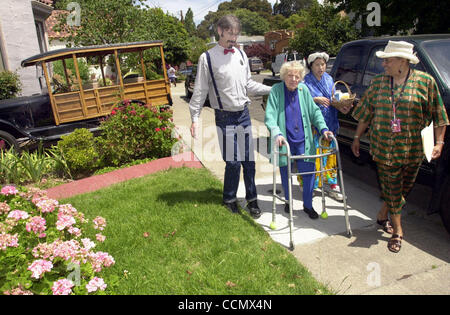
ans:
(18, 291)
(96, 284)
(43, 250)
(45, 204)
(38, 267)
(99, 223)
(8, 240)
(62, 287)
(18, 215)
(66, 250)
(87, 243)
(101, 238)
(74, 231)
(100, 260)
(4, 208)
(9, 190)
(36, 225)
(64, 221)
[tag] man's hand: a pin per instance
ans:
(194, 128)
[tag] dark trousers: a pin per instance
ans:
(237, 148)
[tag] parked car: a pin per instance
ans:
(279, 59)
(28, 120)
(256, 65)
(330, 64)
(356, 64)
(189, 84)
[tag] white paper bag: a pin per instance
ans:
(427, 134)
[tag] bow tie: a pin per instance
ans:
(226, 51)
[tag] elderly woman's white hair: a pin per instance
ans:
(292, 65)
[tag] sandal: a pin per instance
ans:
(395, 243)
(387, 226)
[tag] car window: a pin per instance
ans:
(350, 65)
(373, 66)
(439, 54)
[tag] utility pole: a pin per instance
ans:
(181, 15)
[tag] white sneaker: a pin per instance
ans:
(334, 192)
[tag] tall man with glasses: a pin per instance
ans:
(223, 73)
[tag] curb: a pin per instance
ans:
(96, 182)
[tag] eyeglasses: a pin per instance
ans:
(293, 77)
(231, 33)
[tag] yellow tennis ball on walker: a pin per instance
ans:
(273, 226)
(324, 215)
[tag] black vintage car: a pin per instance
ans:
(356, 64)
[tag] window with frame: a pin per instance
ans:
(350, 67)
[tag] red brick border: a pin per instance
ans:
(96, 182)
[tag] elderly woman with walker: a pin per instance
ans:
(397, 105)
(290, 115)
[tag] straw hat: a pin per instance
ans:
(399, 49)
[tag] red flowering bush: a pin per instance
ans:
(135, 131)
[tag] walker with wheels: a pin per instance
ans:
(290, 159)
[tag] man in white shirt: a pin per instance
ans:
(227, 80)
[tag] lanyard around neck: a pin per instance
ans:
(394, 103)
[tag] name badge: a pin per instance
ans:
(396, 125)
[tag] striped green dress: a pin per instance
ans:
(421, 103)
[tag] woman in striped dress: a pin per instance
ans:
(397, 105)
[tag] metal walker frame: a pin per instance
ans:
(276, 152)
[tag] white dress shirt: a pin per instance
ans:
(233, 81)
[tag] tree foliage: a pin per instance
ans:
(121, 21)
(401, 16)
(189, 24)
(325, 30)
(289, 7)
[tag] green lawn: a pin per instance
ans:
(169, 234)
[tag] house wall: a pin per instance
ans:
(278, 40)
(19, 41)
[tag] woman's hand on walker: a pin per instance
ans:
(328, 135)
(280, 141)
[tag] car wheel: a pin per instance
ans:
(444, 207)
(7, 141)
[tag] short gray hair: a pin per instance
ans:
(292, 65)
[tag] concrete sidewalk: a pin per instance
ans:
(360, 264)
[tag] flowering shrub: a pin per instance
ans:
(134, 131)
(42, 250)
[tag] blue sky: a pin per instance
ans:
(199, 7)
